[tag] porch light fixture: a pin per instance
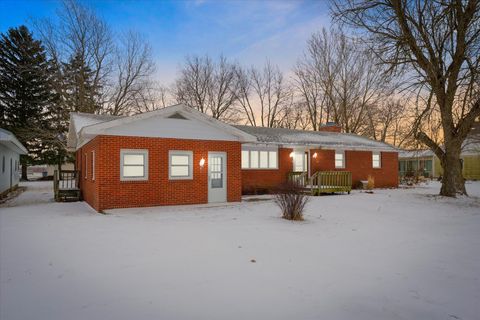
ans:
(315, 155)
(292, 154)
(202, 162)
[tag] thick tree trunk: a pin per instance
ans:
(453, 182)
(24, 172)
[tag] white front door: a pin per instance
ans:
(217, 177)
(300, 161)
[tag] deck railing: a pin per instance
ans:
(299, 177)
(65, 181)
(331, 181)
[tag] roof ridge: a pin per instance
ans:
(318, 132)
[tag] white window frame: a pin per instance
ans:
(259, 150)
(342, 152)
(190, 164)
(143, 152)
(93, 165)
(86, 166)
(248, 160)
(379, 160)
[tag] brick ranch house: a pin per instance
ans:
(178, 155)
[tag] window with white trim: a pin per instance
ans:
(245, 159)
(93, 165)
(259, 159)
(180, 165)
(133, 164)
(253, 159)
(339, 159)
(376, 159)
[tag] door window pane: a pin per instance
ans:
(376, 159)
(298, 162)
(216, 172)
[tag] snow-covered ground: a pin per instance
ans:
(394, 254)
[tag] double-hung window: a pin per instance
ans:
(339, 159)
(180, 165)
(133, 164)
(259, 159)
(376, 160)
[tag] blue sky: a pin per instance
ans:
(245, 31)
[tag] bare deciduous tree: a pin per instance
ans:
(153, 97)
(133, 69)
(83, 34)
(438, 42)
(295, 116)
(208, 86)
(264, 95)
(339, 80)
(384, 119)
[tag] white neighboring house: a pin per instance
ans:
(10, 151)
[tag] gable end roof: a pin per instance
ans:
(10, 141)
(85, 126)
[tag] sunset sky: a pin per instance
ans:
(245, 31)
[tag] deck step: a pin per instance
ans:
(68, 195)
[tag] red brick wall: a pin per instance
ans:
(158, 189)
(357, 162)
(88, 185)
(360, 164)
(260, 180)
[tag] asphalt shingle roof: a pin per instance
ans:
(320, 138)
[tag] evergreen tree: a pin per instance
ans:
(80, 94)
(27, 97)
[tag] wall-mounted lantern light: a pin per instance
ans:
(202, 162)
(315, 155)
(292, 154)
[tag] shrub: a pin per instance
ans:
(292, 200)
(370, 183)
(358, 185)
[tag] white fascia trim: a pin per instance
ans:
(96, 129)
(331, 147)
(260, 146)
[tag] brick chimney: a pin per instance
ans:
(330, 127)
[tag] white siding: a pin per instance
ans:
(5, 181)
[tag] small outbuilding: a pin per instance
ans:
(10, 151)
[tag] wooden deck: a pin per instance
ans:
(323, 181)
